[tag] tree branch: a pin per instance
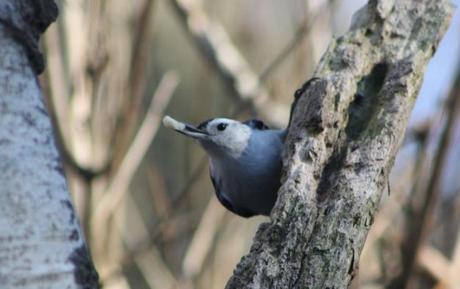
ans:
(421, 216)
(345, 132)
(214, 43)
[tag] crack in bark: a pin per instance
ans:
(366, 101)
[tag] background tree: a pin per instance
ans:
(41, 244)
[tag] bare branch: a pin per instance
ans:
(434, 261)
(215, 45)
(118, 185)
(420, 222)
(203, 238)
(128, 116)
(300, 34)
(144, 245)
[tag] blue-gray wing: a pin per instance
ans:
(227, 203)
(256, 124)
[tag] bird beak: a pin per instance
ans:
(184, 128)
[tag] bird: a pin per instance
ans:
(245, 161)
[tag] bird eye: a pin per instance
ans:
(221, 126)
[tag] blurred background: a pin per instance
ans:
(143, 192)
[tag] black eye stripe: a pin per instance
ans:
(204, 124)
(221, 126)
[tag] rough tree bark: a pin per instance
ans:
(346, 130)
(41, 244)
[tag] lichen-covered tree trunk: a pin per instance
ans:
(41, 244)
(346, 129)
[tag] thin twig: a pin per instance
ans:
(118, 186)
(455, 267)
(421, 220)
(215, 45)
(147, 263)
(157, 186)
(144, 245)
(435, 263)
(203, 238)
(303, 30)
(128, 116)
(439, 267)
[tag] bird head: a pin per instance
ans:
(220, 137)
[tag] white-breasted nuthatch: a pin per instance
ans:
(245, 161)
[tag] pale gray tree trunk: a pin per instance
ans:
(41, 244)
(346, 130)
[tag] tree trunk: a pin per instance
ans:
(41, 244)
(346, 129)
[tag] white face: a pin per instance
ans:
(220, 137)
(226, 136)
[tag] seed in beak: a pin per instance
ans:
(172, 123)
